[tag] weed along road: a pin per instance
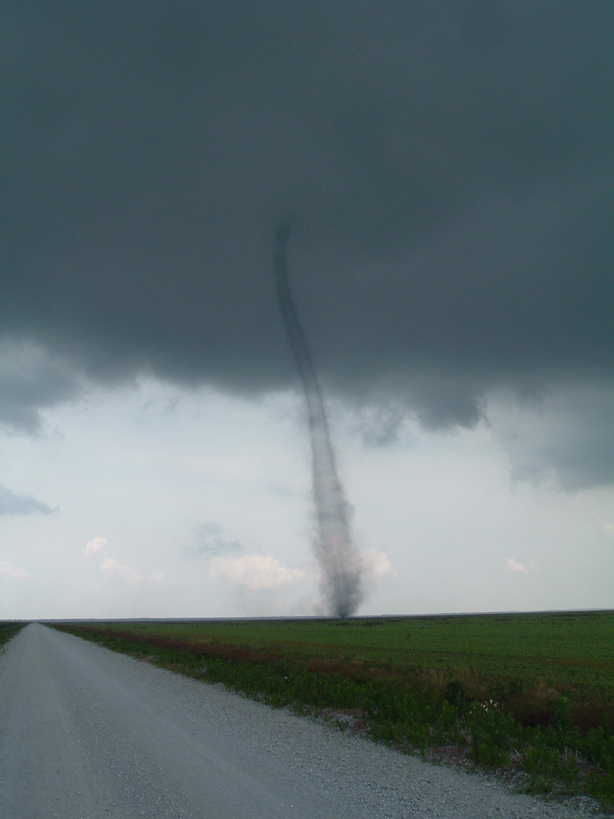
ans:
(87, 733)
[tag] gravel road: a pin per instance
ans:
(86, 733)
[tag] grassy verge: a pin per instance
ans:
(549, 730)
(8, 630)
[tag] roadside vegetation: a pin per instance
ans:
(8, 630)
(528, 695)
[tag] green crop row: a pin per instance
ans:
(558, 756)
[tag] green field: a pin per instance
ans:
(570, 650)
(528, 694)
(8, 630)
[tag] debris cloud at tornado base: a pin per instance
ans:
(339, 561)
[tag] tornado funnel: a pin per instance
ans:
(339, 562)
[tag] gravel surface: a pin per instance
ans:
(87, 733)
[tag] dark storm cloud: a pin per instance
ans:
(447, 167)
(32, 380)
(566, 434)
(13, 503)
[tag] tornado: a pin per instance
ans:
(338, 560)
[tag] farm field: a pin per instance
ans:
(568, 650)
(532, 694)
(87, 732)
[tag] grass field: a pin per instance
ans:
(571, 650)
(530, 694)
(8, 630)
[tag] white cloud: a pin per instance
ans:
(255, 572)
(110, 566)
(375, 563)
(95, 545)
(514, 566)
(607, 527)
(113, 567)
(6, 570)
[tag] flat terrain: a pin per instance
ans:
(88, 733)
(568, 649)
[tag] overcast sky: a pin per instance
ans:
(446, 168)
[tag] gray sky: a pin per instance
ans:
(447, 170)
